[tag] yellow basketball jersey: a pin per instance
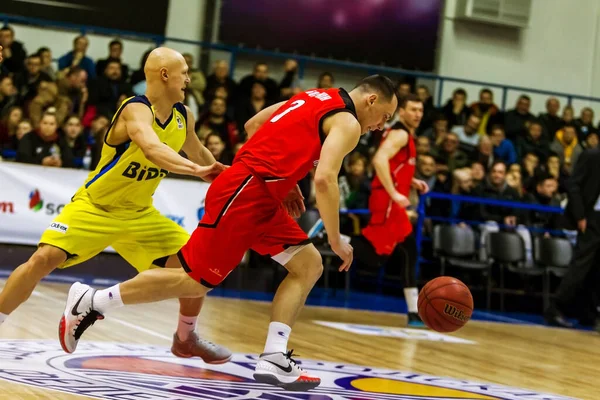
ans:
(124, 178)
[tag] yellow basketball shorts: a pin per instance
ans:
(83, 230)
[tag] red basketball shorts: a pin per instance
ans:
(240, 214)
(389, 224)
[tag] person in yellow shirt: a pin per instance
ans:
(114, 205)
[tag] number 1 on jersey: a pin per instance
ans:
(292, 107)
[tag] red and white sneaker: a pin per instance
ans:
(279, 369)
(79, 315)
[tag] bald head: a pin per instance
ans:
(162, 59)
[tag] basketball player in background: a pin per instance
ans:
(248, 207)
(389, 229)
(114, 206)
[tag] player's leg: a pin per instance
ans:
(405, 257)
(70, 239)
(305, 267)
(148, 242)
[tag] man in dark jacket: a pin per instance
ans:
(13, 52)
(578, 291)
(544, 195)
(517, 120)
(495, 187)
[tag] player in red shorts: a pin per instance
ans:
(389, 228)
(250, 206)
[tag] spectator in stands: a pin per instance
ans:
(290, 84)
(463, 185)
(110, 89)
(566, 146)
(544, 194)
(495, 187)
(44, 146)
(48, 99)
(24, 128)
(530, 163)
(355, 189)
(533, 142)
(513, 179)
(404, 88)
(467, 133)
(220, 77)
(260, 74)
(115, 51)
(326, 81)
(591, 141)
(437, 133)
(249, 107)
(456, 110)
(429, 109)
(8, 94)
(517, 120)
(72, 136)
(194, 93)
(9, 123)
(96, 134)
(504, 150)
(423, 145)
(585, 123)
(28, 81)
(477, 173)
(13, 52)
(46, 57)
(77, 58)
(551, 121)
(138, 78)
(221, 92)
(450, 155)
(486, 110)
(437, 181)
(216, 146)
(553, 167)
(216, 121)
(568, 115)
(485, 152)
(73, 88)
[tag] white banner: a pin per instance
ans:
(32, 196)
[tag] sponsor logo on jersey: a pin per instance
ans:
(179, 122)
(105, 370)
(140, 172)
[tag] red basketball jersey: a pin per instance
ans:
(402, 165)
(288, 145)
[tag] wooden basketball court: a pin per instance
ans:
(129, 352)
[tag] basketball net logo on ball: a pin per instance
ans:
(445, 304)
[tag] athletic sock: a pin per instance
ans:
(277, 338)
(3, 317)
(108, 299)
(185, 326)
(412, 297)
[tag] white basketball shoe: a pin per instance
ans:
(79, 315)
(281, 370)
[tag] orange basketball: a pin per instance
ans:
(445, 304)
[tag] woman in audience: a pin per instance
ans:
(513, 179)
(46, 57)
(355, 188)
(214, 143)
(591, 141)
(44, 147)
(23, 129)
(8, 126)
(478, 172)
(72, 136)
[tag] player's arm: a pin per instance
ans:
(193, 147)
(395, 141)
(343, 134)
(252, 125)
(138, 124)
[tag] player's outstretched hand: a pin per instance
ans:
(344, 251)
(210, 172)
(401, 200)
(294, 203)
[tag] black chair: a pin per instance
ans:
(507, 249)
(554, 255)
(456, 246)
(311, 223)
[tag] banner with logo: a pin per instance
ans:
(32, 196)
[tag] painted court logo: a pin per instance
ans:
(105, 370)
(35, 200)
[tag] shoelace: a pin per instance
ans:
(289, 355)
(88, 320)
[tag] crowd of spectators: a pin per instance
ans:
(58, 117)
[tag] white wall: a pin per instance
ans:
(185, 20)
(558, 52)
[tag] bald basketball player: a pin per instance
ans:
(114, 205)
(249, 206)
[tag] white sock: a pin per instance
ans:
(108, 299)
(186, 326)
(3, 317)
(277, 338)
(412, 297)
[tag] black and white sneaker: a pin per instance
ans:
(279, 369)
(79, 315)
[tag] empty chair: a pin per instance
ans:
(554, 255)
(456, 246)
(507, 249)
